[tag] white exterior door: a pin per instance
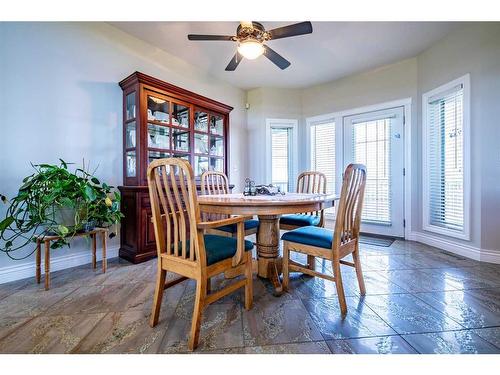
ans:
(375, 139)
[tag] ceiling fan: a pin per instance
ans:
(251, 36)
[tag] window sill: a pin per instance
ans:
(447, 232)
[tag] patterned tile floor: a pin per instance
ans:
(419, 300)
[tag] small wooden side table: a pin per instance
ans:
(103, 232)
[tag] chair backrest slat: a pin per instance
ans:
(214, 183)
(174, 207)
(351, 203)
(312, 182)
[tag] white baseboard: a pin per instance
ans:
(472, 252)
(25, 270)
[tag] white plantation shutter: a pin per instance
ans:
(372, 148)
(446, 159)
(281, 158)
(323, 152)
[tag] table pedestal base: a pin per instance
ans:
(269, 261)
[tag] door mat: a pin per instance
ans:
(376, 241)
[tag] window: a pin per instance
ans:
(281, 153)
(281, 161)
(323, 152)
(446, 159)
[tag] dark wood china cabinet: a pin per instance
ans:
(161, 120)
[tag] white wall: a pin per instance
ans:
(59, 98)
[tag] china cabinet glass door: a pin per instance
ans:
(216, 143)
(130, 135)
(158, 130)
(208, 142)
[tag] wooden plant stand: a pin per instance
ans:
(103, 232)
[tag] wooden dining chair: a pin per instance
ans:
(213, 183)
(183, 246)
(332, 245)
(307, 182)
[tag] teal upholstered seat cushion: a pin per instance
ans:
(219, 248)
(312, 236)
(232, 228)
(300, 220)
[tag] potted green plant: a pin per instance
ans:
(54, 200)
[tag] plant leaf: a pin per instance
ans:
(65, 201)
(64, 163)
(95, 181)
(62, 230)
(90, 193)
(4, 224)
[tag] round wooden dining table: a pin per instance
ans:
(269, 209)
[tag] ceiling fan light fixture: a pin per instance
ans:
(250, 48)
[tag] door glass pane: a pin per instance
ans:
(217, 125)
(372, 148)
(200, 165)
(180, 140)
(158, 136)
(158, 109)
(180, 115)
(130, 106)
(200, 121)
(216, 146)
(130, 135)
(216, 165)
(131, 163)
(153, 155)
(201, 144)
(281, 158)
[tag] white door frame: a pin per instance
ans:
(338, 118)
(282, 123)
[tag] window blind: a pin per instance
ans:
(445, 160)
(281, 158)
(372, 148)
(323, 152)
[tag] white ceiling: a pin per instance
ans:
(333, 50)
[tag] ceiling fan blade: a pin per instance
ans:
(210, 37)
(276, 58)
(234, 62)
(291, 30)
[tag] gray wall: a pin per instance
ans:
(267, 103)
(385, 84)
(59, 95)
(474, 49)
(60, 98)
